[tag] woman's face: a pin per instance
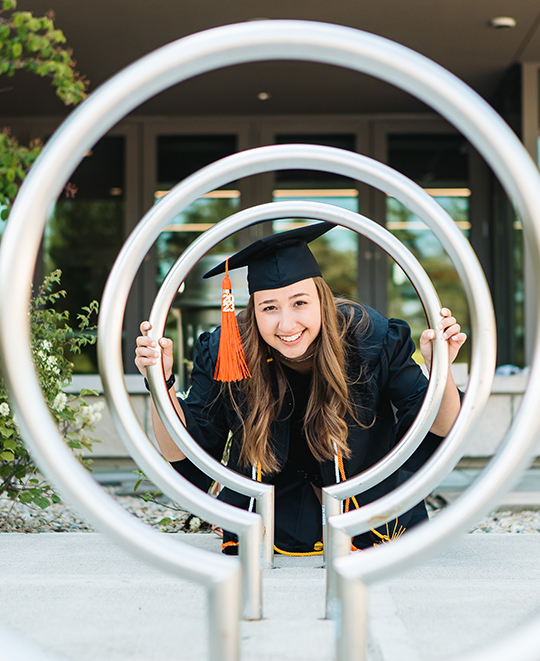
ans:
(289, 318)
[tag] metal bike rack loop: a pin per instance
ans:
(247, 525)
(188, 57)
(132, 254)
(321, 212)
(314, 211)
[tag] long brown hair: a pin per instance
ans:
(324, 423)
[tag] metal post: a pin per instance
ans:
(224, 601)
(330, 507)
(340, 546)
(250, 557)
(352, 630)
(265, 507)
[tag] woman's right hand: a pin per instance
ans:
(149, 352)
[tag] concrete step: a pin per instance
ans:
(83, 598)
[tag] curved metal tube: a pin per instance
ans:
(247, 525)
(200, 53)
(314, 211)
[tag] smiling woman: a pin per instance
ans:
(332, 387)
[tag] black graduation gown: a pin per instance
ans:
(392, 389)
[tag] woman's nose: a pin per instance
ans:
(287, 322)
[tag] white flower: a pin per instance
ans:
(60, 402)
(4, 410)
(195, 524)
(51, 366)
(95, 412)
(46, 345)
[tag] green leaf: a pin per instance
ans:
(56, 499)
(11, 190)
(10, 444)
(7, 456)
(16, 50)
(86, 392)
(166, 521)
(42, 502)
(26, 497)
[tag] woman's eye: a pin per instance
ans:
(299, 303)
(269, 308)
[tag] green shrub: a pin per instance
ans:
(31, 43)
(52, 340)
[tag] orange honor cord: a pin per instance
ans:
(227, 544)
(231, 362)
(384, 538)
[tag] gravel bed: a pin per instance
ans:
(16, 517)
(61, 518)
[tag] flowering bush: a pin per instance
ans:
(32, 44)
(52, 338)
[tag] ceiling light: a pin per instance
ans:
(501, 22)
(263, 96)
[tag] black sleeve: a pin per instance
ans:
(204, 409)
(402, 380)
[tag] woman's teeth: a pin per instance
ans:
(290, 338)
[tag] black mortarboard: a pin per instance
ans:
(278, 260)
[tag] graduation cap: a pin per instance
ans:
(273, 262)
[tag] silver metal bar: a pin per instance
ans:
(265, 507)
(330, 507)
(249, 551)
(339, 545)
(224, 606)
(143, 451)
(351, 619)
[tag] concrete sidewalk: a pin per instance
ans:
(81, 597)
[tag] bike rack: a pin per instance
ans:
(183, 59)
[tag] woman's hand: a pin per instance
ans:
(451, 333)
(148, 351)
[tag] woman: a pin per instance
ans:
(332, 387)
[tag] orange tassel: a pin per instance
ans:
(231, 361)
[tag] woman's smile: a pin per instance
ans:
(290, 339)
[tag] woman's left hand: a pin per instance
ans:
(451, 332)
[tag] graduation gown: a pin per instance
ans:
(391, 390)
